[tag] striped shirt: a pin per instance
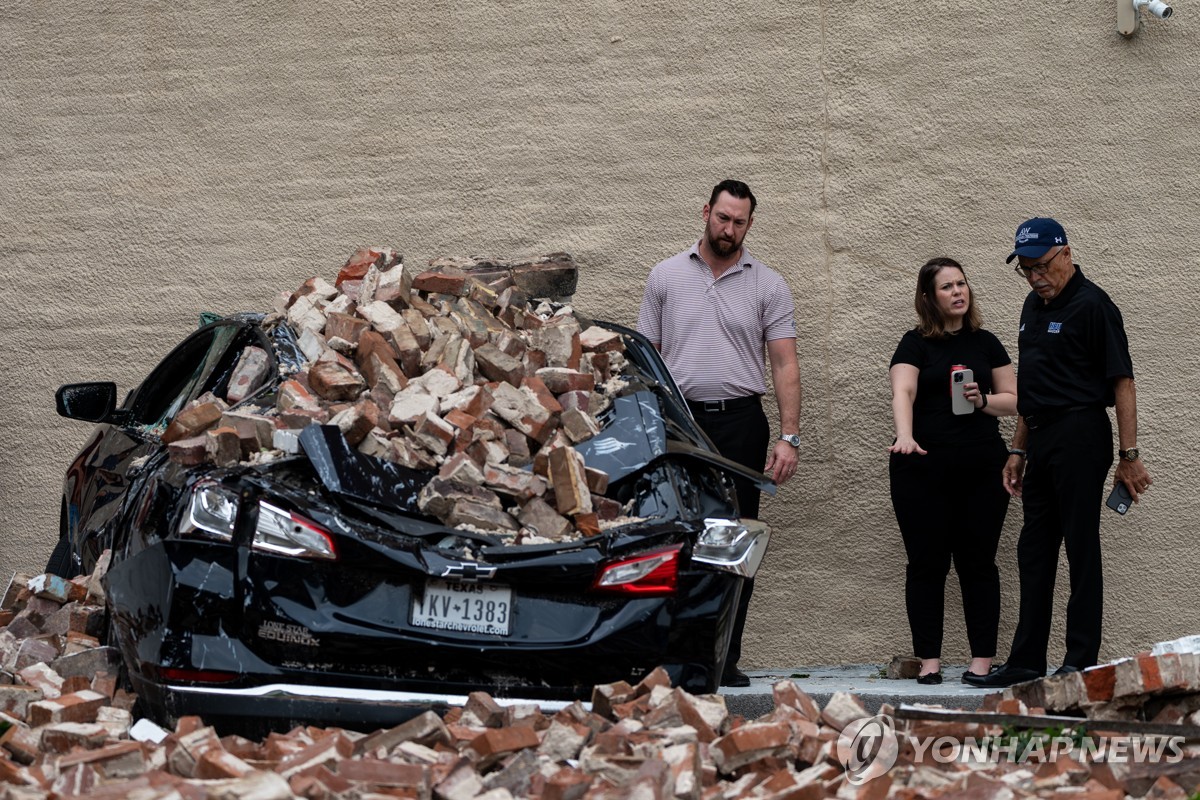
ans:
(712, 332)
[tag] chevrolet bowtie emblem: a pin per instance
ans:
(468, 573)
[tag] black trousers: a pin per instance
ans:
(950, 505)
(1063, 497)
(741, 435)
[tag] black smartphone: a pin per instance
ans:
(1119, 499)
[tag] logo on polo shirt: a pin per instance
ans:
(1055, 327)
(1022, 328)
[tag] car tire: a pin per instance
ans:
(60, 562)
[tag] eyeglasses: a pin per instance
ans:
(1039, 269)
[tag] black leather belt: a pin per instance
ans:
(1051, 416)
(716, 406)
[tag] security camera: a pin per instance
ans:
(1156, 7)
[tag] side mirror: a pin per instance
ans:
(89, 402)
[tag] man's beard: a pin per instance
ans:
(722, 247)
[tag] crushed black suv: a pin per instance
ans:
(311, 588)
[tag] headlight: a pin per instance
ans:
(736, 546)
(211, 512)
(290, 534)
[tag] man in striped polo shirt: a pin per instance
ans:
(710, 310)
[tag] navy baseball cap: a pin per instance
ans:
(1035, 237)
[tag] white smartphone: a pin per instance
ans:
(958, 379)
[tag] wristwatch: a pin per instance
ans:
(794, 440)
(1129, 455)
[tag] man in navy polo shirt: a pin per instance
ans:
(711, 311)
(1074, 364)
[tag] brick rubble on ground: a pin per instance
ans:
(454, 370)
(69, 732)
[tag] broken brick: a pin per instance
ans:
(346, 327)
(223, 446)
(316, 288)
(189, 452)
(517, 483)
(537, 515)
(560, 380)
(559, 341)
(355, 422)
(332, 380)
(378, 367)
(75, 707)
(497, 365)
(434, 433)
(497, 741)
(522, 411)
(478, 515)
(749, 743)
(294, 395)
(579, 425)
(192, 421)
(250, 427)
(599, 340)
(42, 678)
(448, 280)
(606, 508)
(542, 393)
(462, 468)
(50, 587)
(411, 404)
(570, 485)
(62, 737)
(306, 313)
(518, 448)
(249, 374)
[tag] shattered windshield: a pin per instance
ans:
(196, 366)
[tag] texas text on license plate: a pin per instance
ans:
(470, 607)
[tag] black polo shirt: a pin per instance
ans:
(1070, 349)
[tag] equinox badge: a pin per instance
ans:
(468, 572)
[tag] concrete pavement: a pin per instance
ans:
(863, 680)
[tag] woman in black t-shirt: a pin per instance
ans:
(945, 469)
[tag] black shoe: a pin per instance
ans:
(930, 679)
(735, 677)
(1002, 677)
(993, 668)
(1066, 669)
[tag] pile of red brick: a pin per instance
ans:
(1161, 688)
(453, 370)
(68, 732)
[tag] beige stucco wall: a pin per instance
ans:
(157, 161)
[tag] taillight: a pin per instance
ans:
(211, 512)
(650, 575)
(196, 675)
(287, 533)
(732, 545)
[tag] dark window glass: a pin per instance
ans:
(202, 363)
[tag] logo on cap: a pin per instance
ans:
(1025, 234)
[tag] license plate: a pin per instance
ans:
(469, 607)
